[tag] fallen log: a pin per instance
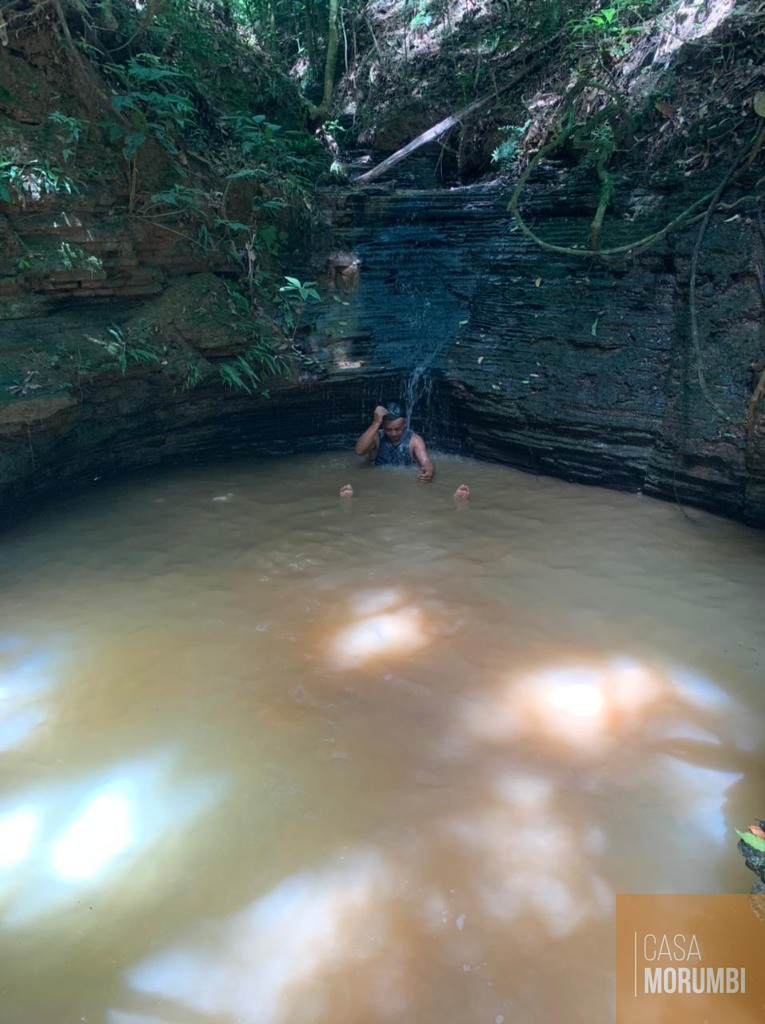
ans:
(422, 140)
(434, 133)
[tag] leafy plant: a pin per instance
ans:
(421, 19)
(32, 179)
(69, 131)
(505, 153)
(751, 840)
(150, 102)
(604, 21)
(75, 258)
(239, 373)
(619, 18)
(285, 154)
(303, 290)
(246, 371)
(192, 374)
(118, 347)
(149, 108)
(296, 294)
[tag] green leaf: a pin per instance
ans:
(232, 225)
(269, 234)
(121, 103)
(113, 130)
(231, 376)
(133, 142)
(246, 172)
(753, 841)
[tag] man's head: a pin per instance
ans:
(394, 423)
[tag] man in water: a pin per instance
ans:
(388, 441)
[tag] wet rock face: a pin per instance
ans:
(501, 349)
(555, 363)
(70, 414)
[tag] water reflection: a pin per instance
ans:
(67, 837)
(593, 707)
(247, 966)
(305, 762)
(381, 627)
(103, 829)
(19, 827)
(24, 683)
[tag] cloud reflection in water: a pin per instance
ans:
(385, 626)
(245, 967)
(23, 689)
(72, 834)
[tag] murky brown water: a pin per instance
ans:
(270, 757)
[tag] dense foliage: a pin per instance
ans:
(216, 119)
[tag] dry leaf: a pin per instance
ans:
(759, 103)
(537, 282)
(665, 108)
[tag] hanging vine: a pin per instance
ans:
(592, 136)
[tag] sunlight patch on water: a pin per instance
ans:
(587, 706)
(374, 602)
(700, 691)
(250, 965)
(705, 790)
(104, 828)
(521, 855)
(582, 700)
(307, 762)
(400, 632)
(22, 688)
(120, 1017)
(113, 823)
(526, 791)
(18, 831)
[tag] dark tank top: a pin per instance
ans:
(394, 454)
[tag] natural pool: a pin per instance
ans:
(274, 757)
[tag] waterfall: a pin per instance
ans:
(418, 389)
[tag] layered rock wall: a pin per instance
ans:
(503, 350)
(563, 364)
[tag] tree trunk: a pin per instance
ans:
(443, 126)
(106, 16)
(330, 64)
(429, 136)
